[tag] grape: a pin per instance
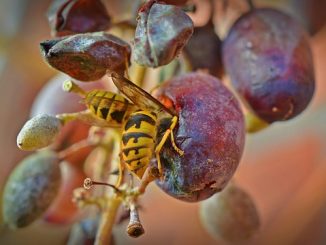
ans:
(269, 60)
(67, 17)
(230, 215)
(211, 133)
(204, 50)
(161, 33)
(88, 56)
(30, 188)
(38, 132)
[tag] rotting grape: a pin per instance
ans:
(161, 33)
(87, 57)
(230, 216)
(30, 188)
(210, 132)
(68, 17)
(269, 60)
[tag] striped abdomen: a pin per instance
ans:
(111, 107)
(138, 141)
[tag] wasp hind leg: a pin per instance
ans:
(121, 172)
(163, 140)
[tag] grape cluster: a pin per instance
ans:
(267, 56)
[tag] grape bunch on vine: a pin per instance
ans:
(155, 98)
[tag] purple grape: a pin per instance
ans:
(269, 60)
(210, 132)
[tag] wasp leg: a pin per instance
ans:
(121, 172)
(163, 140)
(173, 124)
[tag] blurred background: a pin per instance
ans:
(283, 167)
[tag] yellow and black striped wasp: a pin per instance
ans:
(140, 119)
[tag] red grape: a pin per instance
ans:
(211, 133)
(269, 60)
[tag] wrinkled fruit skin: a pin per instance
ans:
(204, 50)
(87, 57)
(31, 188)
(68, 17)
(210, 132)
(161, 33)
(230, 215)
(269, 60)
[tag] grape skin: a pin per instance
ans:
(210, 132)
(269, 60)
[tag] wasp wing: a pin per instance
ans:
(139, 96)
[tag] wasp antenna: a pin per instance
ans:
(88, 183)
(70, 86)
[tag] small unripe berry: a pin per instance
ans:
(38, 132)
(31, 188)
(230, 215)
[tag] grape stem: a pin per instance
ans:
(138, 73)
(74, 148)
(103, 236)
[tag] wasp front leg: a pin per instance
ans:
(158, 148)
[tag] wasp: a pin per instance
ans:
(140, 119)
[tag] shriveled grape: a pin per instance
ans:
(268, 57)
(161, 33)
(210, 132)
(88, 56)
